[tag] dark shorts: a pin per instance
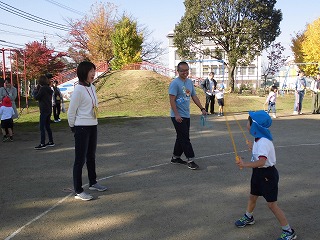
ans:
(7, 123)
(264, 182)
(221, 102)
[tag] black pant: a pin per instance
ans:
(210, 99)
(182, 144)
(56, 110)
(85, 152)
(45, 126)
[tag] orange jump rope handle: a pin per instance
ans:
(238, 160)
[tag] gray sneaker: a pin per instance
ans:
(83, 196)
(244, 221)
(98, 187)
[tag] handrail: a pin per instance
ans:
(71, 74)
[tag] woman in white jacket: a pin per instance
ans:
(82, 119)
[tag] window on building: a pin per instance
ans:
(214, 69)
(221, 69)
(251, 70)
(243, 70)
(205, 70)
(193, 71)
(220, 53)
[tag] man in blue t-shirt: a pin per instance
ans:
(181, 90)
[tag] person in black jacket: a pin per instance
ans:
(208, 86)
(43, 93)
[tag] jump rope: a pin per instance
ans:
(203, 123)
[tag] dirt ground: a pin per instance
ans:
(149, 198)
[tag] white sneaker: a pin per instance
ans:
(295, 113)
(98, 187)
(83, 196)
(274, 115)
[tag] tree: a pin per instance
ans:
(38, 60)
(90, 37)
(151, 49)
(310, 47)
(296, 47)
(127, 43)
(99, 29)
(242, 28)
(275, 60)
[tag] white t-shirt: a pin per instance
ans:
(264, 147)
(6, 112)
(272, 97)
(219, 94)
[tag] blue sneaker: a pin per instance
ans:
(286, 235)
(245, 220)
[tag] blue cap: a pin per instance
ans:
(261, 121)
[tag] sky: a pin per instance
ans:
(158, 16)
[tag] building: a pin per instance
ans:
(203, 65)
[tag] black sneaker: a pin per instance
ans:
(192, 165)
(50, 144)
(40, 146)
(5, 138)
(178, 161)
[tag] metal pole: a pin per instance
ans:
(3, 65)
(18, 82)
(25, 79)
(11, 67)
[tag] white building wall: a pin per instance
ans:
(202, 66)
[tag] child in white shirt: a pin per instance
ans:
(271, 101)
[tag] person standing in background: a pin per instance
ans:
(12, 93)
(300, 87)
(6, 113)
(43, 93)
(57, 100)
(315, 88)
(271, 101)
(208, 86)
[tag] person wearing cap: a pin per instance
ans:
(265, 176)
(300, 87)
(6, 113)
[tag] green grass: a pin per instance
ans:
(126, 95)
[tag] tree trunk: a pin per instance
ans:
(231, 70)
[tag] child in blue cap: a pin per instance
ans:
(265, 177)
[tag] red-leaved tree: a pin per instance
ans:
(39, 59)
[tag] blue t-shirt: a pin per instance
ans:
(183, 90)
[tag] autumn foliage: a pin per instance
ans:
(305, 47)
(38, 60)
